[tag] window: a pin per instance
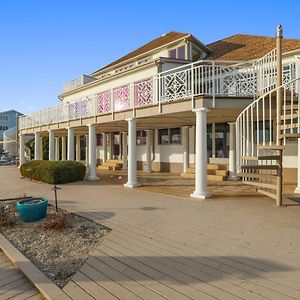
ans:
(172, 53)
(175, 135)
(181, 52)
(169, 136)
(3, 118)
(178, 53)
(2, 128)
(99, 139)
(141, 137)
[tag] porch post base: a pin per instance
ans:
(92, 178)
(132, 185)
(232, 178)
(200, 195)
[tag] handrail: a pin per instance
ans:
(256, 124)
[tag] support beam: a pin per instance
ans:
(51, 145)
(41, 149)
(111, 145)
(213, 140)
(201, 155)
(104, 140)
(77, 141)
(186, 152)
(232, 152)
(37, 141)
(86, 149)
(22, 149)
(70, 143)
(297, 190)
(56, 148)
(63, 148)
(132, 165)
(92, 152)
(148, 167)
(278, 82)
(124, 149)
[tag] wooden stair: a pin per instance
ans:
(111, 165)
(215, 172)
(264, 172)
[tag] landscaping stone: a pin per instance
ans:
(58, 253)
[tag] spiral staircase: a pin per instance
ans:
(266, 126)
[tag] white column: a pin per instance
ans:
(92, 153)
(297, 190)
(37, 141)
(104, 140)
(201, 155)
(232, 152)
(41, 148)
(63, 148)
(22, 150)
(77, 141)
(86, 150)
(70, 143)
(51, 145)
(213, 140)
(148, 168)
(57, 148)
(186, 152)
(124, 149)
(111, 145)
(132, 174)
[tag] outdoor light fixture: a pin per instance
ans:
(55, 189)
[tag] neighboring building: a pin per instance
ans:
(155, 93)
(8, 119)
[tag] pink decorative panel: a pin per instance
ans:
(143, 92)
(121, 98)
(103, 102)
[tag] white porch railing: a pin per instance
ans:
(257, 123)
(208, 78)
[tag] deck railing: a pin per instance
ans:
(207, 78)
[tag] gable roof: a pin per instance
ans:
(152, 45)
(248, 47)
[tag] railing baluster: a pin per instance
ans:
(270, 119)
(257, 127)
(264, 120)
(252, 132)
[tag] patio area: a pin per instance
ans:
(173, 247)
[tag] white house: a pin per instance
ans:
(174, 102)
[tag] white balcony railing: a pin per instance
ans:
(208, 78)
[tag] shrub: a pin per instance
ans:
(53, 172)
(55, 222)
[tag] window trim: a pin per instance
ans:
(169, 137)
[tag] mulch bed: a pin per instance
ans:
(57, 252)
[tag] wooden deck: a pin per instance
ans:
(166, 247)
(14, 284)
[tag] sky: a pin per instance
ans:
(44, 43)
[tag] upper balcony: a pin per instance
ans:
(203, 78)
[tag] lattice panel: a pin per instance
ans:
(175, 86)
(143, 91)
(103, 102)
(121, 98)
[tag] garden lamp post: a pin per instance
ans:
(55, 189)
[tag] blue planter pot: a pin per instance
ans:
(34, 211)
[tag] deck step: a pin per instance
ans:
(289, 135)
(268, 147)
(289, 116)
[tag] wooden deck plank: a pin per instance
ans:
(122, 275)
(181, 262)
(249, 273)
(138, 278)
(92, 287)
(116, 288)
(76, 292)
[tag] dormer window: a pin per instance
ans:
(178, 53)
